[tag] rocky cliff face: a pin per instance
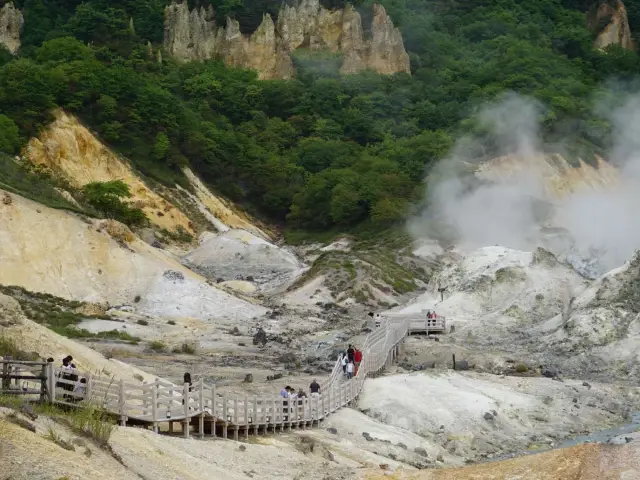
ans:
(11, 22)
(611, 14)
(195, 35)
(555, 175)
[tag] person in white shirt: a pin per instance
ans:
(350, 370)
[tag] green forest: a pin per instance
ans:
(322, 151)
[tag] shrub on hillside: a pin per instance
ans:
(107, 198)
(157, 346)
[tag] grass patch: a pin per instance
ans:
(171, 322)
(179, 235)
(385, 266)
(521, 368)
(157, 346)
(89, 421)
(300, 237)
(60, 315)
(53, 436)
(9, 348)
(185, 348)
(33, 183)
(144, 323)
(11, 401)
(92, 423)
(74, 332)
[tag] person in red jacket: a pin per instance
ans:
(357, 357)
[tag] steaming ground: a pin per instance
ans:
(528, 198)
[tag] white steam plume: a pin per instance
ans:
(598, 222)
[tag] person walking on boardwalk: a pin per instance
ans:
(350, 370)
(350, 353)
(345, 360)
(314, 388)
(357, 357)
(285, 393)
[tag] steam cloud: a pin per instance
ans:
(595, 228)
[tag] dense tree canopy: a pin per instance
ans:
(324, 150)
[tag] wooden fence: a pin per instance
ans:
(419, 323)
(212, 411)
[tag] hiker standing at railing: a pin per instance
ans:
(66, 374)
(314, 388)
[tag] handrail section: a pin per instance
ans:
(161, 401)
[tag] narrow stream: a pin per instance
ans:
(601, 436)
(604, 436)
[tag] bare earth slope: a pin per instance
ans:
(53, 251)
(584, 462)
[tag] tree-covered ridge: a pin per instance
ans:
(323, 150)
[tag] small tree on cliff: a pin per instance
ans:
(106, 198)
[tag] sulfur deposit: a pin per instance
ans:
(69, 149)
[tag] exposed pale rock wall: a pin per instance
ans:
(195, 35)
(69, 149)
(11, 22)
(557, 176)
(56, 252)
(617, 30)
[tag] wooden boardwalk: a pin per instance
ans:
(208, 409)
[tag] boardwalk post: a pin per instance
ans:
(154, 406)
(283, 419)
(145, 402)
(225, 416)
(246, 417)
(235, 419)
(201, 407)
(43, 383)
(213, 410)
(51, 383)
(256, 417)
(185, 400)
(273, 416)
(170, 406)
(6, 381)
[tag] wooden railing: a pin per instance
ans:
(199, 403)
(418, 322)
